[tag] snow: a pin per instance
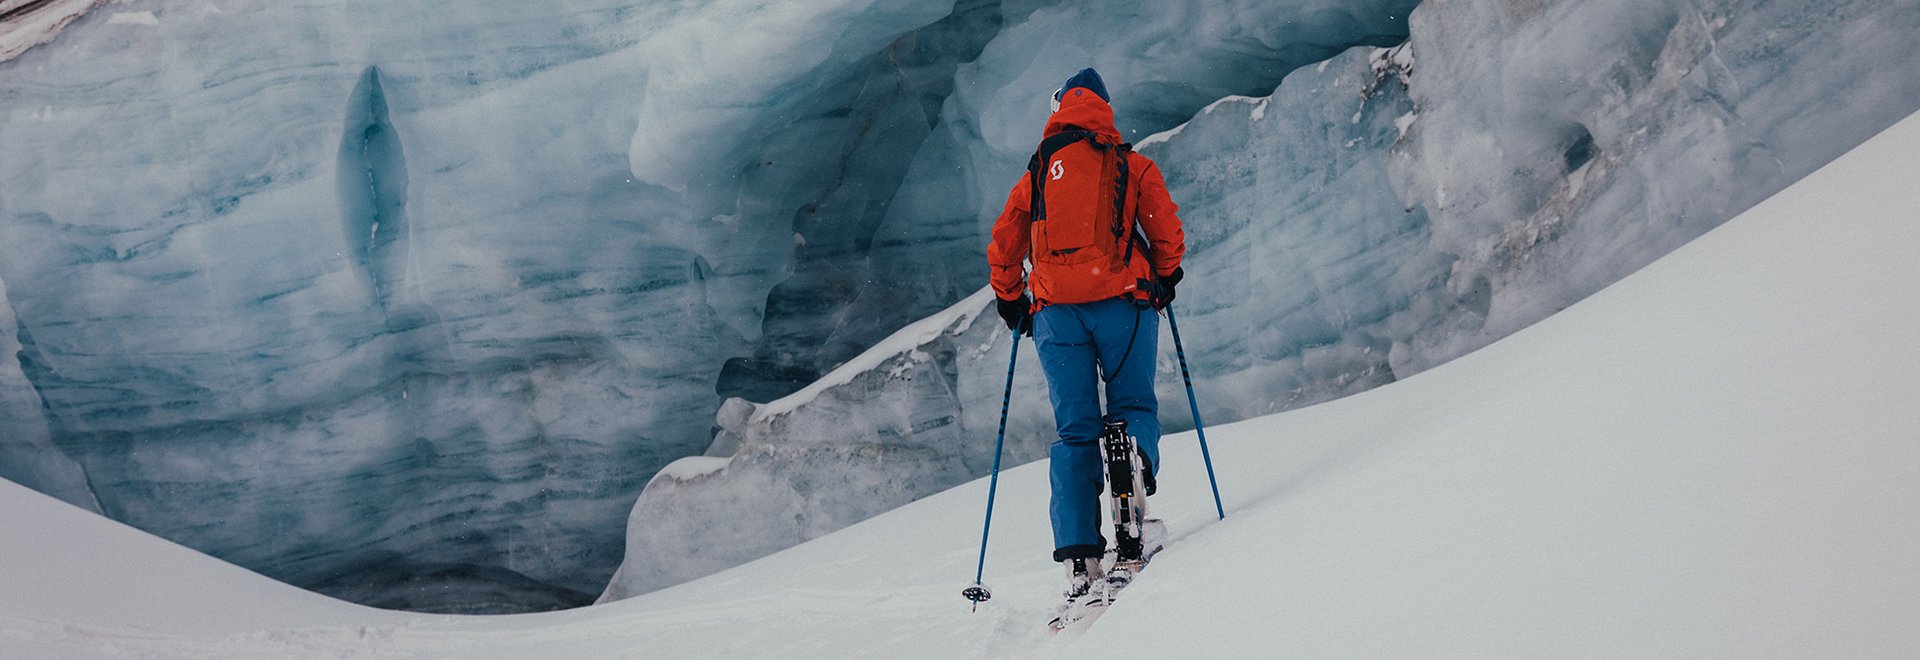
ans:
(1257, 112)
(1404, 122)
(1159, 137)
(954, 320)
(693, 467)
(1710, 458)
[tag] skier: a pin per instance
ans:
(1078, 215)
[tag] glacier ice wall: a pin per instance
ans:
(27, 453)
(870, 263)
(366, 296)
(1374, 215)
(1528, 156)
(406, 302)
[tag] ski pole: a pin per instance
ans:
(979, 592)
(1199, 428)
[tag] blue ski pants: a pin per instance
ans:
(1078, 346)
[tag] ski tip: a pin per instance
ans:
(1074, 624)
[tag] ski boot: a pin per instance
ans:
(1086, 591)
(1153, 536)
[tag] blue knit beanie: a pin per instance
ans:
(1087, 78)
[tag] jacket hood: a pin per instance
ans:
(1081, 108)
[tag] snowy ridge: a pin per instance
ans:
(1711, 458)
(692, 467)
(1259, 104)
(28, 23)
(953, 320)
(913, 415)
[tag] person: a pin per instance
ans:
(1091, 312)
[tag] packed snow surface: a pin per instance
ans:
(1711, 458)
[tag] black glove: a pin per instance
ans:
(1018, 313)
(1160, 290)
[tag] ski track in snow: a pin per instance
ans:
(1712, 458)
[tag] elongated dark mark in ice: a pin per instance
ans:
(373, 187)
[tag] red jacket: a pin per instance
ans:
(1147, 201)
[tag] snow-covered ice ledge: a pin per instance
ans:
(910, 417)
(28, 23)
(954, 320)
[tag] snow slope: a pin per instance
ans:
(1712, 458)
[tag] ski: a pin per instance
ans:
(1077, 615)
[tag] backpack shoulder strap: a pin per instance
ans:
(1122, 223)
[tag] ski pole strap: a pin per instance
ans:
(1199, 427)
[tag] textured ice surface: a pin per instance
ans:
(905, 239)
(27, 453)
(337, 290)
(327, 290)
(1389, 222)
(1618, 131)
(1384, 212)
(901, 421)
